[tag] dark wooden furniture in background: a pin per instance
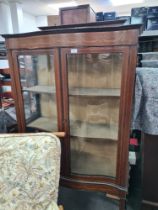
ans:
(8, 115)
(150, 172)
(79, 80)
(148, 43)
(78, 14)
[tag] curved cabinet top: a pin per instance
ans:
(97, 35)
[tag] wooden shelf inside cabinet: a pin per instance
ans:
(98, 131)
(43, 123)
(40, 89)
(94, 92)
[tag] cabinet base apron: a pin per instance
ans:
(111, 189)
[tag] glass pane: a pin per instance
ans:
(37, 78)
(94, 96)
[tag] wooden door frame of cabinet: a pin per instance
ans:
(14, 89)
(18, 89)
(125, 104)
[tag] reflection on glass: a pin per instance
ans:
(94, 97)
(38, 84)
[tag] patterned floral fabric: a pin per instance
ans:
(53, 206)
(29, 171)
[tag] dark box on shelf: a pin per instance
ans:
(99, 16)
(152, 12)
(152, 23)
(139, 12)
(109, 15)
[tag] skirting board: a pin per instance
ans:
(154, 204)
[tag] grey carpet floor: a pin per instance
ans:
(85, 200)
(73, 199)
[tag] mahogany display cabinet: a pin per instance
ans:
(79, 80)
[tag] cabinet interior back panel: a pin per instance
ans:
(94, 96)
(93, 157)
(95, 70)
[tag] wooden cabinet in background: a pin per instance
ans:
(79, 80)
(150, 172)
(53, 20)
(148, 46)
(76, 15)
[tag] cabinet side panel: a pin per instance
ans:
(92, 15)
(13, 75)
(127, 92)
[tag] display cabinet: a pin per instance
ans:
(79, 80)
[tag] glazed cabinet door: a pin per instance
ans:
(38, 89)
(94, 109)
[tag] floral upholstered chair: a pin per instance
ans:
(29, 171)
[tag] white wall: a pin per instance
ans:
(4, 64)
(5, 18)
(1, 39)
(29, 23)
(17, 16)
(41, 20)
